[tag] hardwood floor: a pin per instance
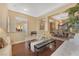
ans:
(21, 50)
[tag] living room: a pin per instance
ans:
(38, 29)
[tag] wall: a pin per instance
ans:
(17, 37)
(6, 51)
(3, 16)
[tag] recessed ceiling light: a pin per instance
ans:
(25, 9)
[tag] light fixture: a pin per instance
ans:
(61, 16)
(25, 9)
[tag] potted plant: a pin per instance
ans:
(73, 14)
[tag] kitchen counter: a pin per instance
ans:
(69, 47)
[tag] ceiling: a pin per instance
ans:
(35, 9)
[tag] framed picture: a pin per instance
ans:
(42, 24)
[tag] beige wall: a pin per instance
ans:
(6, 51)
(3, 16)
(32, 21)
(20, 36)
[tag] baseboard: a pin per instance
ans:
(18, 42)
